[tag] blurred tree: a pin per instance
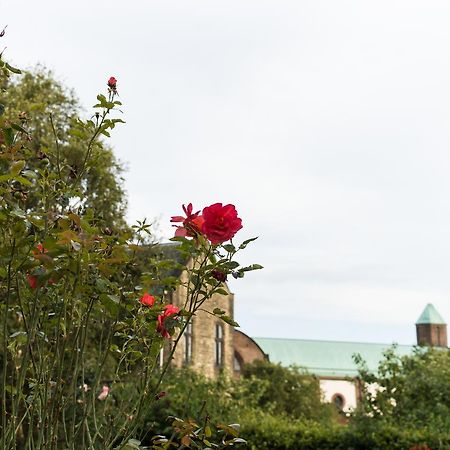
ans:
(288, 391)
(408, 392)
(48, 109)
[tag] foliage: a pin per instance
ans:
(289, 391)
(224, 400)
(79, 365)
(410, 391)
(48, 111)
(190, 394)
(268, 432)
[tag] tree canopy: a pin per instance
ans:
(410, 391)
(47, 109)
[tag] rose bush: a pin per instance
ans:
(80, 333)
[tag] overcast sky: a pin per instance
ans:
(327, 124)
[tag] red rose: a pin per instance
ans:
(112, 83)
(32, 281)
(169, 310)
(160, 395)
(39, 249)
(147, 299)
(192, 223)
(219, 275)
(221, 223)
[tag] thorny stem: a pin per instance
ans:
(5, 346)
(58, 151)
(97, 131)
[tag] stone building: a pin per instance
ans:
(207, 344)
(211, 346)
(332, 361)
(431, 328)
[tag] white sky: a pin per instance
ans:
(327, 124)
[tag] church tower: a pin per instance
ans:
(431, 328)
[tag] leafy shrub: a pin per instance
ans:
(80, 334)
(408, 392)
(269, 432)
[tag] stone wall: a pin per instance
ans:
(204, 340)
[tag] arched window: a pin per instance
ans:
(188, 343)
(339, 401)
(219, 344)
(237, 363)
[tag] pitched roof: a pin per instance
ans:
(326, 358)
(430, 316)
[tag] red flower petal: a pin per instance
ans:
(147, 299)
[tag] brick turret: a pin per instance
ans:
(431, 328)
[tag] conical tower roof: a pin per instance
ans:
(430, 316)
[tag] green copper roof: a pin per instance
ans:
(429, 316)
(326, 358)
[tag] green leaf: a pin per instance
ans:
(111, 303)
(17, 212)
(13, 69)
(19, 128)
(6, 177)
(229, 320)
(17, 167)
(133, 444)
(23, 180)
(231, 265)
(245, 243)
(38, 223)
(77, 133)
(218, 311)
(251, 267)
(9, 136)
(229, 248)
(30, 174)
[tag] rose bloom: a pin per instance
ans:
(112, 83)
(221, 223)
(39, 249)
(219, 275)
(169, 310)
(32, 281)
(160, 395)
(104, 393)
(192, 223)
(147, 299)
